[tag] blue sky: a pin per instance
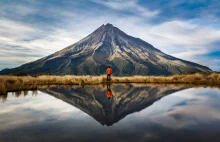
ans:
(187, 29)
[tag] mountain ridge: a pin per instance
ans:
(106, 46)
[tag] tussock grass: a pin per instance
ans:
(13, 83)
(2, 87)
(197, 78)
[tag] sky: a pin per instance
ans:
(32, 29)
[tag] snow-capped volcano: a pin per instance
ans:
(106, 46)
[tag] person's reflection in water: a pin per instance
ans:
(109, 91)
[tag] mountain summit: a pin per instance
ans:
(106, 46)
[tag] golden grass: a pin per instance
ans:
(13, 83)
(2, 87)
(197, 78)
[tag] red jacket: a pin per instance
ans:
(109, 93)
(109, 71)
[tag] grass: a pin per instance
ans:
(16, 83)
(2, 87)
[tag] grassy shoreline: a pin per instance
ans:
(12, 83)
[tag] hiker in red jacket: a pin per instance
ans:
(109, 72)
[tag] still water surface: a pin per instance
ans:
(127, 113)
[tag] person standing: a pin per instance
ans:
(109, 73)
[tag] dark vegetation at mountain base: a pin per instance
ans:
(16, 83)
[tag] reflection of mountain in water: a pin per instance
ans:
(125, 100)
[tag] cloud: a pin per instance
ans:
(19, 9)
(131, 5)
(181, 33)
(10, 28)
(184, 9)
(189, 55)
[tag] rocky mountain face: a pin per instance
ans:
(106, 46)
(125, 100)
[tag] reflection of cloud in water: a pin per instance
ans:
(186, 108)
(29, 109)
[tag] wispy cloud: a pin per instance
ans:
(130, 5)
(18, 9)
(10, 28)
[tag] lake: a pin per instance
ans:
(119, 113)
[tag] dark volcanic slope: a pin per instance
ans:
(109, 46)
(126, 100)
